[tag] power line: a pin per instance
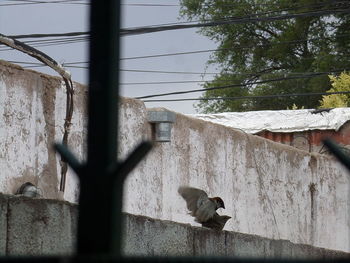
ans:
(69, 34)
(151, 5)
(274, 5)
(50, 41)
(240, 85)
(24, 2)
(166, 82)
(74, 65)
(253, 97)
(169, 72)
(186, 25)
(205, 73)
(28, 2)
(318, 5)
(171, 54)
(243, 20)
(223, 5)
(223, 49)
(55, 41)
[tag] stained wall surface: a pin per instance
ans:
(31, 226)
(269, 189)
(32, 113)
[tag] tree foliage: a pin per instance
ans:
(339, 84)
(316, 41)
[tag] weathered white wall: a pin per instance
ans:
(269, 189)
(32, 112)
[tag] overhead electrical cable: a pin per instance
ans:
(169, 72)
(58, 41)
(82, 2)
(223, 49)
(187, 25)
(151, 5)
(50, 42)
(23, 3)
(239, 85)
(75, 65)
(253, 97)
(153, 29)
(327, 4)
(69, 34)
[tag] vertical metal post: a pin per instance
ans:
(101, 178)
(101, 194)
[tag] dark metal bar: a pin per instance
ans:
(68, 157)
(101, 178)
(99, 224)
(338, 152)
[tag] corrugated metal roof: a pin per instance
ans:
(281, 121)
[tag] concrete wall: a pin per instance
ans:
(48, 227)
(269, 189)
(36, 226)
(32, 112)
(152, 237)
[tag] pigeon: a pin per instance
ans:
(203, 208)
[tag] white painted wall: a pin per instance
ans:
(265, 185)
(32, 112)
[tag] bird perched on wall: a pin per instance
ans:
(203, 208)
(28, 189)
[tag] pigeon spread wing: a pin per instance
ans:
(198, 203)
(194, 197)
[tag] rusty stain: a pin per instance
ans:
(311, 141)
(312, 190)
(313, 162)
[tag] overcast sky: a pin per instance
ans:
(67, 17)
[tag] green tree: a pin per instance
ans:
(339, 84)
(317, 40)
